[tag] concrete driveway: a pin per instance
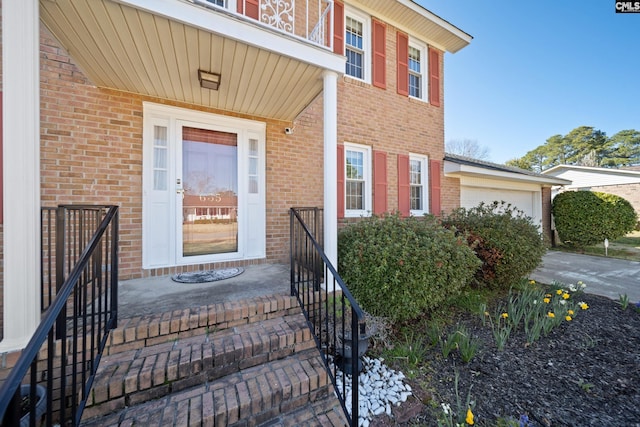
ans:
(608, 277)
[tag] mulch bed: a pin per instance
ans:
(584, 373)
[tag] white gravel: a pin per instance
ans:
(380, 388)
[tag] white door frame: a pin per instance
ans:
(159, 207)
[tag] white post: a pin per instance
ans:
(21, 170)
(330, 166)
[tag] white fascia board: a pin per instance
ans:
(558, 169)
(436, 19)
(452, 169)
(241, 29)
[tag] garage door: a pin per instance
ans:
(527, 201)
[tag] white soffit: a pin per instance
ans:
(155, 48)
(414, 19)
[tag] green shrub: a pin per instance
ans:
(585, 218)
(399, 268)
(505, 240)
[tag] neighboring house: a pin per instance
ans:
(486, 182)
(148, 103)
(624, 182)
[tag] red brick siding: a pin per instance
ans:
(91, 148)
(92, 153)
(390, 122)
(449, 194)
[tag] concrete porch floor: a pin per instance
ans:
(152, 295)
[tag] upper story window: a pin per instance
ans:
(417, 70)
(357, 42)
(354, 48)
(418, 184)
(357, 180)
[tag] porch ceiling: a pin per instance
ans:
(158, 53)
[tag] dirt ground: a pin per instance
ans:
(584, 373)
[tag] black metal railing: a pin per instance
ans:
(331, 311)
(64, 232)
(55, 371)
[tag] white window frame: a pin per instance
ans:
(424, 67)
(366, 41)
(368, 194)
(424, 178)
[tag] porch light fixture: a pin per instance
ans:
(209, 80)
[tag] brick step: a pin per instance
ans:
(135, 376)
(325, 412)
(297, 385)
(138, 332)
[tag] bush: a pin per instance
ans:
(585, 218)
(399, 268)
(509, 245)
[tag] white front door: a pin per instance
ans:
(204, 188)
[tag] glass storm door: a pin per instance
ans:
(203, 188)
(207, 185)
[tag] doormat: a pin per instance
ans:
(207, 276)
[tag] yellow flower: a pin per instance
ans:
(505, 315)
(551, 315)
(486, 313)
(532, 282)
(565, 296)
(583, 305)
(547, 300)
(570, 312)
(559, 292)
(469, 418)
(568, 318)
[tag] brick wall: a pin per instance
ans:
(91, 147)
(91, 152)
(386, 121)
(450, 194)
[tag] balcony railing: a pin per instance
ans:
(308, 20)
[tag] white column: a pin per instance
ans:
(330, 166)
(21, 170)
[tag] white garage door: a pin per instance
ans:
(527, 201)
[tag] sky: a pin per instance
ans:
(540, 68)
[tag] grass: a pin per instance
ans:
(627, 247)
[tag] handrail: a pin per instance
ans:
(327, 315)
(94, 276)
(318, 34)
